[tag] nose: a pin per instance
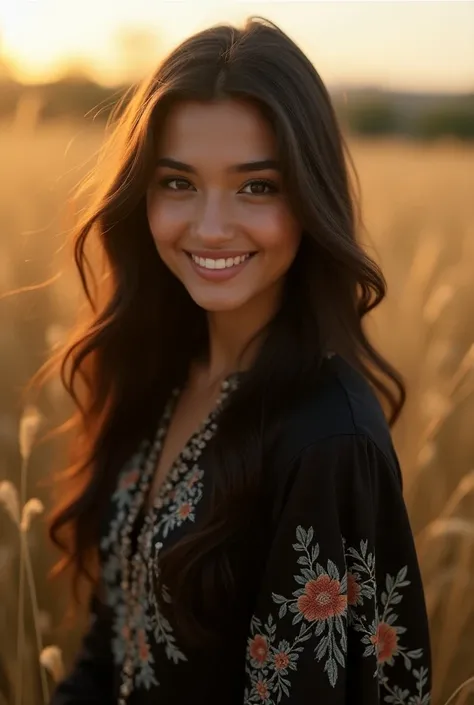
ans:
(211, 225)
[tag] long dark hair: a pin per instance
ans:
(144, 330)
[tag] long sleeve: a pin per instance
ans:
(340, 617)
(91, 678)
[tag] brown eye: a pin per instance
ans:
(181, 184)
(258, 187)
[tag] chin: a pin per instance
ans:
(216, 305)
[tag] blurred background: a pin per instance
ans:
(402, 79)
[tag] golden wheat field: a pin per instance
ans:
(419, 214)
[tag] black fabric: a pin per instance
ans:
(338, 613)
(93, 675)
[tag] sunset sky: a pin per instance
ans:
(412, 44)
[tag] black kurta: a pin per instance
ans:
(338, 614)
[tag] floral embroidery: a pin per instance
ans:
(258, 649)
(383, 637)
(320, 606)
(178, 506)
(354, 597)
(180, 503)
(111, 573)
(159, 625)
(386, 642)
(139, 625)
(329, 607)
(322, 599)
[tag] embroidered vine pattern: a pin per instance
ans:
(130, 576)
(327, 606)
(178, 506)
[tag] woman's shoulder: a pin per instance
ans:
(340, 403)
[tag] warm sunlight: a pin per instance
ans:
(109, 257)
(399, 44)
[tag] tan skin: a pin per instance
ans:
(195, 404)
(219, 209)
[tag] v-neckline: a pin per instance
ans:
(151, 505)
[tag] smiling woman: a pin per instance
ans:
(236, 500)
(217, 227)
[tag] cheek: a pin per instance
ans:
(279, 233)
(165, 221)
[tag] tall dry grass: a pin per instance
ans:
(419, 212)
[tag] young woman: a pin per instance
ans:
(234, 471)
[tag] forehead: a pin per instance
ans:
(228, 131)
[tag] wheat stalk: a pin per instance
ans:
(22, 513)
(462, 689)
(453, 617)
(51, 659)
(36, 615)
(21, 595)
(9, 499)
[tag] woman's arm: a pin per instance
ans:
(340, 618)
(91, 680)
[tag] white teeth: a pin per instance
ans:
(209, 263)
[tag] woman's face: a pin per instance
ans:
(216, 208)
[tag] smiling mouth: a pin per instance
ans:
(220, 262)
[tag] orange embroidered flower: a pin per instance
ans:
(259, 649)
(282, 661)
(129, 479)
(262, 689)
(353, 590)
(322, 599)
(126, 632)
(184, 510)
(385, 641)
(143, 647)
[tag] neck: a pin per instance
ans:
(231, 331)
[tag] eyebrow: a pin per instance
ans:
(260, 165)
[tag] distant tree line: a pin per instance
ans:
(371, 113)
(413, 115)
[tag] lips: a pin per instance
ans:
(219, 254)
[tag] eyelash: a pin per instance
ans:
(164, 183)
